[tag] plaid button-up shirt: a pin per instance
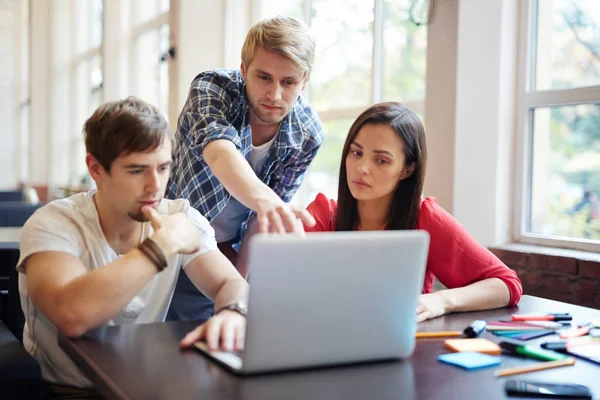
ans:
(217, 108)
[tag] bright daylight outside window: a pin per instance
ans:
(86, 82)
(150, 57)
(367, 52)
(562, 108)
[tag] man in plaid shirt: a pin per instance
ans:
(245, 139)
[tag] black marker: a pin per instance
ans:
(475, 328)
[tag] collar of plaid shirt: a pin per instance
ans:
(298, 138)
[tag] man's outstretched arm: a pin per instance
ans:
(238, 177)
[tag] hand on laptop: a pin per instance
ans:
(431, 305)
(280, 217)
(227, 328)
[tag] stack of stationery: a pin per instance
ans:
(523, 330)
(470, 354)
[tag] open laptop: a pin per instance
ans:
(328, 299)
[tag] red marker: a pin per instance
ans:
(547, 317)
(582, 330)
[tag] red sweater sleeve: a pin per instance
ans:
(455, 258)
(324, 211)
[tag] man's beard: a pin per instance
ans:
(267, 119)
(139, 215)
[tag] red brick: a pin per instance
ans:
(511, 258)
(562, 264)
(538, 261)
(592, 303)
(531, 279)
(557, 284)
(552, 295)
(586, 289)
(589, 269)
(546, 263)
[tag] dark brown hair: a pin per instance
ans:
(119, 128)
(406, 201)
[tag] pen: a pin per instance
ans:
(422, 335)
(564, 346)
(475, 328)
(576, 332)
(536, 367)
(547, 317)
(532, 351)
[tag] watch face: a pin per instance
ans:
(238, 307)
(242, 308)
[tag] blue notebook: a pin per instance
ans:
(470, 360)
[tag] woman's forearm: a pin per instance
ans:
(483, 295)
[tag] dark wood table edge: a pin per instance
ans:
(103, 384)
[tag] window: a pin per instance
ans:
(14, 91)
(150, 71)
(559, 116)
(23, 95)
(367, 52)
(85, 83)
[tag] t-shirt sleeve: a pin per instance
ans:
(48, 231)
(324, 211)
(206, 111)
(205, 231)
(456, 258)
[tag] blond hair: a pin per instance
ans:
(285, 35)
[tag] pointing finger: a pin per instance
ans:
(305, 217)
(153, 216)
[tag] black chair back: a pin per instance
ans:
(11, 195)
(15, 214)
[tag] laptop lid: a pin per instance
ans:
(332, 298)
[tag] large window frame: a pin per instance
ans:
(530, 99)
(22, 94)
(138, 31)
(376, 94)
(83, 56)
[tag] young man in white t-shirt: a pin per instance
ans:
(113, 255)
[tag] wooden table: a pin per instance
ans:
(144, 362)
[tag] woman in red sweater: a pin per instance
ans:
(380, 187)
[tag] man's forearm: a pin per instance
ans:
(232, 291)
(236, 174)
(96, 297)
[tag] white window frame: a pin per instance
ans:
(77, 59)
(528, 100)
(23, 92)
(137, 31)
(376, 95)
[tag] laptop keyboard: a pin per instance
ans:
(231, 358)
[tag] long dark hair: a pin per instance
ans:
(404, 209)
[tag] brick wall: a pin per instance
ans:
(572, 276)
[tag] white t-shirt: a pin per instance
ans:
(71, 225)
(227, 223)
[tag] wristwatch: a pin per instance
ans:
(238, 307)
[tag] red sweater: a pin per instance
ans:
(455, 258)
